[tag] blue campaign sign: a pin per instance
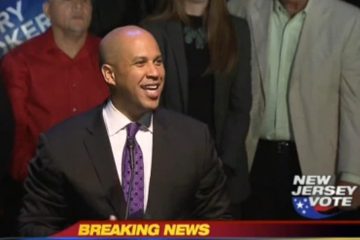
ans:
(20, 20)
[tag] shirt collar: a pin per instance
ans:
(50, 45)
(117, 121)
(50, 41)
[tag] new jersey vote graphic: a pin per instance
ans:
(20, 20)
(316, 198)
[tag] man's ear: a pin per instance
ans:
(46, 8)
(108, 74)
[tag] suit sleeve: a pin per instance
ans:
(211, 198)
(16, 78)
(349, 136)
(238, 116)
(238, 112)
(44, 210)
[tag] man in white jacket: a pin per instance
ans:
(305, 117)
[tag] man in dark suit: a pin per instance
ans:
(81, 166)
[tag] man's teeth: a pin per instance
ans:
(151, 87)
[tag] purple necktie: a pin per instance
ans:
(133, 174)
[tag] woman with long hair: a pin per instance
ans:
(206, 54)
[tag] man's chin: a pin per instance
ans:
(152, 106)
(78, 31)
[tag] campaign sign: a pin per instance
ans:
(20, 20)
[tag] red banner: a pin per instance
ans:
(212, 229)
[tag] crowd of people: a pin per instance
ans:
(178, 109)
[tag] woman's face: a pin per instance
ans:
(195, 7)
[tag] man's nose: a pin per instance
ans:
(79, 3)
(153, 71)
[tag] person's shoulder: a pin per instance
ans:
(31, 46)
(176, 119)
(334, 12)
(160, 29)
(74, 127)
(157, 26)
(338, 7)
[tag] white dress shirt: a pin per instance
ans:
(116, 123)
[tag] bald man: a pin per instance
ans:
(97, 167)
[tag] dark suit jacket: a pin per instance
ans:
(232, 96)
(73, 177)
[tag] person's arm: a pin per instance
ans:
(238, 113)
(211, 198)
(44, 210)
(349, 135)
(16, 76)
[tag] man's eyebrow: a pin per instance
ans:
(143, 58)
(140, 58)
(158, 56)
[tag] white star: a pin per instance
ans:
(299, 205)
(303, 212)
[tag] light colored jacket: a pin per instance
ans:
(324, 88)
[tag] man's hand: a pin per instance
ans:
(355, 197)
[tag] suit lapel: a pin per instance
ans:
(176, 42)
(160, 156)
(98, 146)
